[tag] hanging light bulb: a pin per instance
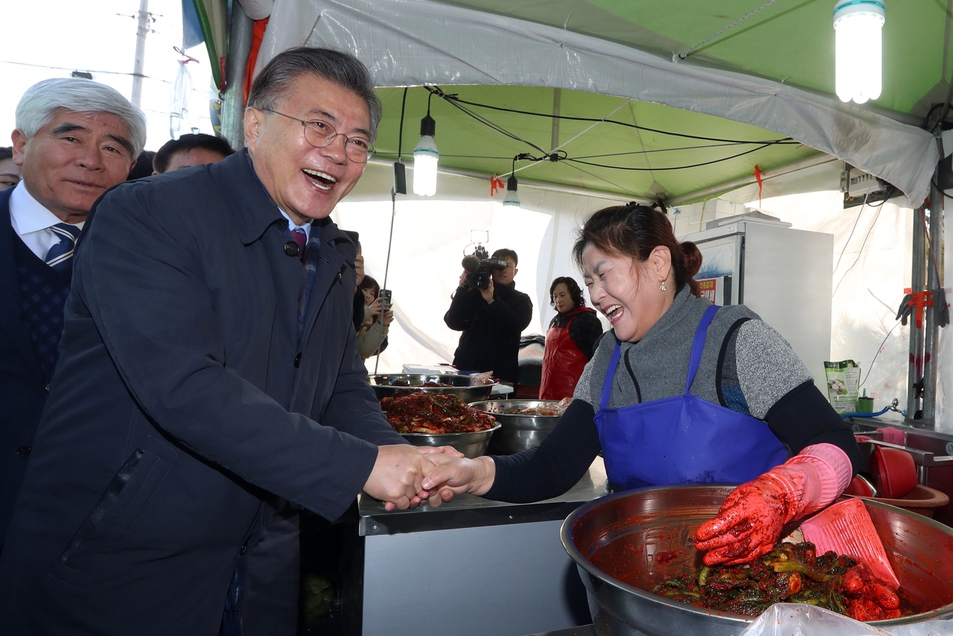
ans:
(858, 49)
(425, 159)
(512, 197)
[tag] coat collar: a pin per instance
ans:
(254, 209)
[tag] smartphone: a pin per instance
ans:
(385, 298)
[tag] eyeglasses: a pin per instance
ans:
(321, 134)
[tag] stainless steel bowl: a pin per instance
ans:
(519, 431)
(615, 542)
(383, 385)
(470, 444)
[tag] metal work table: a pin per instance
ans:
(473, 566)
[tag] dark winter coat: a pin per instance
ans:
(183, 401)
(491, 331)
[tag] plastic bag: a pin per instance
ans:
(794, 619)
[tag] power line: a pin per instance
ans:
(73, 68)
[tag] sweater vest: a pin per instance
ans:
(43, 293)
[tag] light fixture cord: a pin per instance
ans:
(390, 243)
(677, 57)
(400, 128)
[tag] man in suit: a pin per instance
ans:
(209, 384)
(74, 140)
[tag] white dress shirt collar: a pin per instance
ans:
(32, 221)
(29, 215)
(292, 225)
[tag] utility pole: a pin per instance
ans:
(143, 30)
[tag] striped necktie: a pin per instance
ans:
(60, 255)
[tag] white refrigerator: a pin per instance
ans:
(782, 274)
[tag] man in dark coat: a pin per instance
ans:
(74, 140)
(209, 383)
(491, 319)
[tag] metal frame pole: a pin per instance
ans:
(915, 363)
(930, 328)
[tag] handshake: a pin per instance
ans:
(407, 476)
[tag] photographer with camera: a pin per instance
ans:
(491, 314)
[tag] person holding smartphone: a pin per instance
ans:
(372, 333)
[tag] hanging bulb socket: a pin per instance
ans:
(512, 196)
(428, 127)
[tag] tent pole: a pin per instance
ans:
(930, 328)
(915, 364)
(240, 28)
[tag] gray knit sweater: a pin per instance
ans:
(759, 366)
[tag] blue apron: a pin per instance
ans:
(682, 439)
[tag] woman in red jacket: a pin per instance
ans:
(570, 341)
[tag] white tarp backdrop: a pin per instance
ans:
(415, 42)
(429, 239)
(871, 255)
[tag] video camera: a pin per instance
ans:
(480, 266)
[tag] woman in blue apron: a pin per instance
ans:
(685, 392)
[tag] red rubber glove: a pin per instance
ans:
(749, 522)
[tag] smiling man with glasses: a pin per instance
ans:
(209, 385)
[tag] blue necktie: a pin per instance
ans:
(60, 256)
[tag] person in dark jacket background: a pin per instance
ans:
(491, 320)
(209, 385)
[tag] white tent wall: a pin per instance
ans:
(429, 239)
(872, 246)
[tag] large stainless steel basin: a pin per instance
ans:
(386, 385)
(624, 544)
(525, 423)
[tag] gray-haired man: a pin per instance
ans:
(74, 140)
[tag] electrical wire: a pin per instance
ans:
(879, 349)
(400, 126)
(461, 104)
(685, 167)
(456, 99)
(860, 251)
(73, 68)
(608, 154)
(849, 236)
(434, 90)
